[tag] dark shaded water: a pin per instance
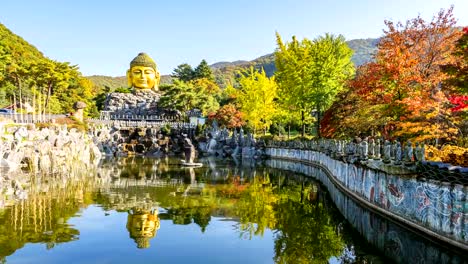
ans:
(138, 210)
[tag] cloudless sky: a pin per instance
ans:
(103, 36)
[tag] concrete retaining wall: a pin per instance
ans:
(438, 209)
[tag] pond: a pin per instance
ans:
(134, 210)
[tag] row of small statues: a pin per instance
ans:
(363, 149)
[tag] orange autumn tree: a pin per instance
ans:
(228, 116)
(403, 93)
(363, 109)
(411, 56)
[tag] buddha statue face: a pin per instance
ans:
(143, 77)
(143, 73)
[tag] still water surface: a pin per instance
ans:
(134, 210)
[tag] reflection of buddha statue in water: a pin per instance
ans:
(142, 224)
(143, 73)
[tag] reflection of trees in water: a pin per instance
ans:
(305, 233)
(42, 218)
(256, 207)
(259, 198)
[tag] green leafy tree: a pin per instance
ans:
(184, 72)
(184, 96)
(203, 70)
(311, 73)
(179, 95)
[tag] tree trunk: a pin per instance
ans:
(20, 100)
(46, 103)
(318, 124)
(303, 125)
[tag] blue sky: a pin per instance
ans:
(103, 36)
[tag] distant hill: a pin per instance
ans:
(364, 50)
(225, 72)
(222, 64)
(108, 83)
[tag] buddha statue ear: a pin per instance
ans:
(158, 80)
(129, 78)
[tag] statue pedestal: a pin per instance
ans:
(143, 102)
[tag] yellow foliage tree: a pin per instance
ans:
(256, 98)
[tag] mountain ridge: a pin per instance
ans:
(225, 71)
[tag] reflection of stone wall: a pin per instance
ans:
(429, 206)
(393, 241)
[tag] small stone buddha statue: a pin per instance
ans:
(143, 73)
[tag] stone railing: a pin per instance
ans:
(435, 208)
(395, 158)
(140, 123)
(105, 115)
(394, 153)
(31, 118)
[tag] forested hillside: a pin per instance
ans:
(28, 76)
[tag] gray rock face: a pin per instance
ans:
(136, 103)
(41, 152)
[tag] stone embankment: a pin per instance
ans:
(120, 141)
(26, 150)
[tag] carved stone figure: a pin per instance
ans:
(364, 149)
(371, 148)
(422, 153)
(419, 152)
(408, 152)
(210, 147)
(78, 107)
(377, 150)
(189, 150)
(398, 154)
(350, 148)
(143, 73)
(387, 150)
(394, 149)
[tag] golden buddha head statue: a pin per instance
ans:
(142, 225)
(143, 73)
